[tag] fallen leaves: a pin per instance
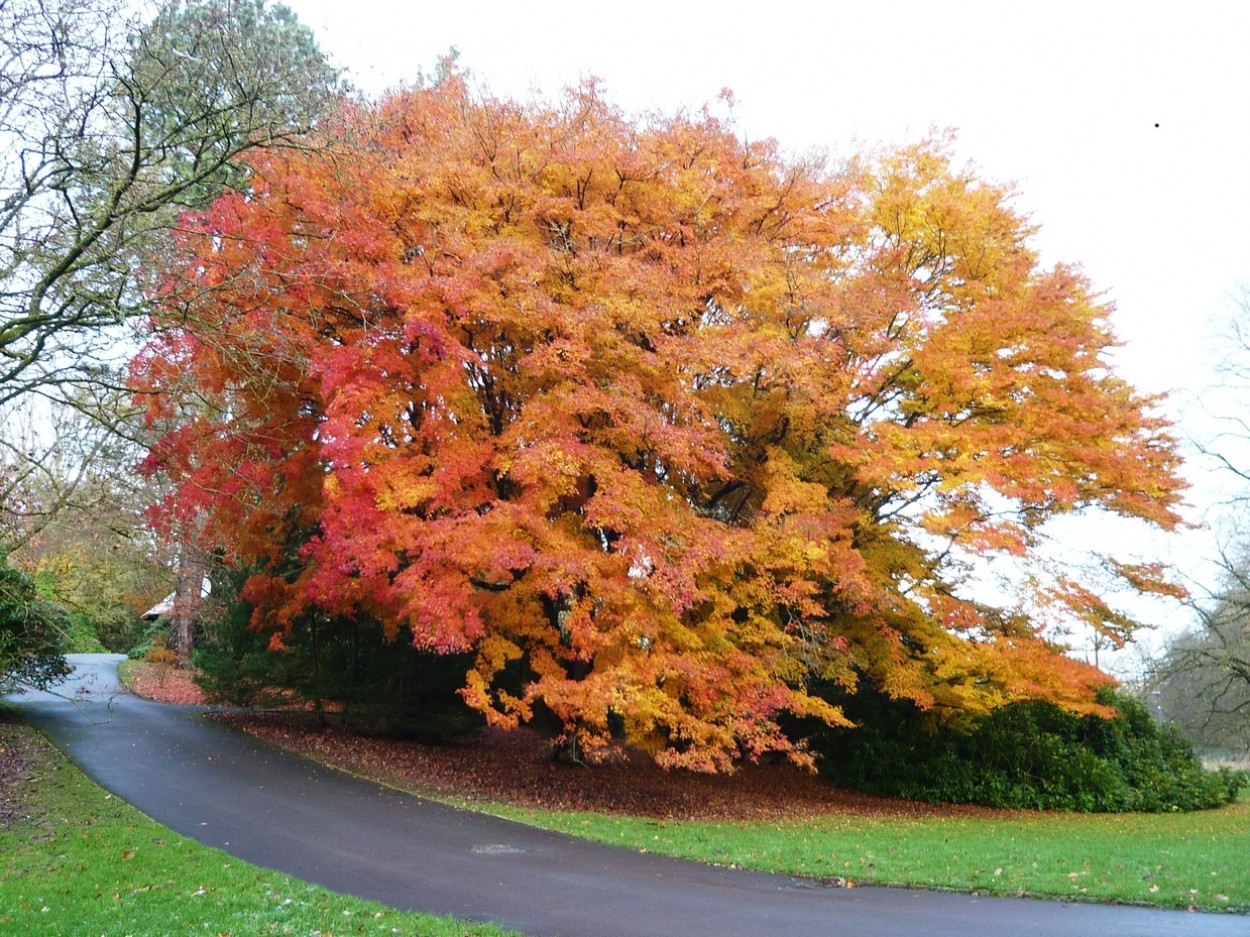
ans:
(164, 683)
(18, 753)
(514, 767)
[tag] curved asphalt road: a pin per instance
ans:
(277, 810)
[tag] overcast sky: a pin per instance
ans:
(1124, 127)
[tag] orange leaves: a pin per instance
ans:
(659, 424)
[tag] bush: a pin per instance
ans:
(154, 636)
(118, 629)
(32, 633)
(347, 666)
(1026, 755)
(81, 637)
(96, 624)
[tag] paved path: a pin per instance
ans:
(277, 810)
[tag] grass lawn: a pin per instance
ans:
(1198, 860)
(78, 861)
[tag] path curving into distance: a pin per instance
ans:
(277, 810)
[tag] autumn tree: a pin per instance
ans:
(668, 429)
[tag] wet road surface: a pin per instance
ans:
(280, 811)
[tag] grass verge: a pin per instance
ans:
(1195, 861)
(79, 861)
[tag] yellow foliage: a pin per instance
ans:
(662, 425)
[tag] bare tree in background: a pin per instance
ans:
(111, 128)
(1202, 680)
(115, 119)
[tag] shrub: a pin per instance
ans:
(1025, 755)
(32, 633)
(346, 665)
(119, 629)
(153, 636)
(81, 638)
(97, 622)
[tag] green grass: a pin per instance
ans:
(85, 863)
(1195, 860)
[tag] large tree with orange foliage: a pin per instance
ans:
(666, 425)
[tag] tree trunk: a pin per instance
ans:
(188, 596)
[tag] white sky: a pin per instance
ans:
(1124, 126)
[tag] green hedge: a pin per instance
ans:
(1026, 755)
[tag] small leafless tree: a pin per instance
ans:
(1202, 680)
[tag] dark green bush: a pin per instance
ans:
(81, 637)
(1025, 755)
(153, 636)
(119, 630)
(32, 633)
(346, 666)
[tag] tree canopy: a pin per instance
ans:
(110, 128)
(666, 428)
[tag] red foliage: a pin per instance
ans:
(660, 423)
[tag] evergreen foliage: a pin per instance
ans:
(1029, 755)
(338, 665)
(31, 634)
